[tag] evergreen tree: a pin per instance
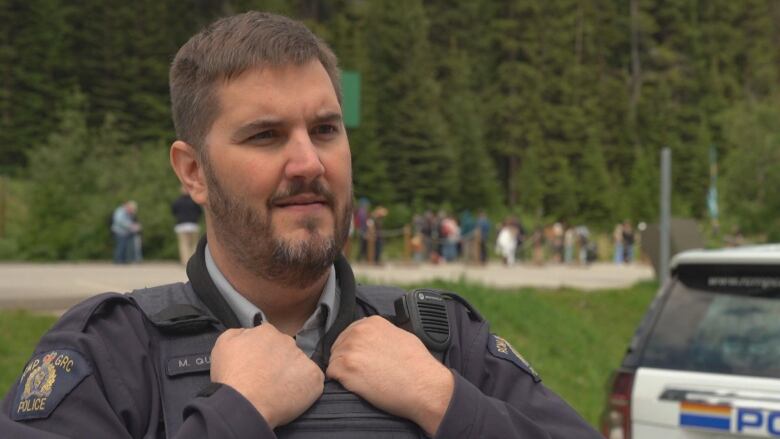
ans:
(642, 191)
(559, 199)
(560, 107)
(347, 36)
(59, 192)
(230, 7)
(595, 191)
(410, 130)
(529, 181)
(513, 93)
(477, 186)
(34, 74)
(750, 166)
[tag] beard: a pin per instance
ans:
(249, 236)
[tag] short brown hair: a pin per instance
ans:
(227, 48)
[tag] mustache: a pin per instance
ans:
(300, 186)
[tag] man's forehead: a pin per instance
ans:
(276, 88)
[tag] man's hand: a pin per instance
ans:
(393, 370)
(269, 370)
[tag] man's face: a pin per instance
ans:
(279, 172)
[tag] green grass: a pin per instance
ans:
(19, 332)
(573, 339)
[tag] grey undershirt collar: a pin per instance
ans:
(313, 329)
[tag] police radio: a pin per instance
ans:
(423, 312)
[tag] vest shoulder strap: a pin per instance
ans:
(381, 298)
(174, 308)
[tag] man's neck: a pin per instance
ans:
(285, 307)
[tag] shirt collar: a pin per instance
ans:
(246, 311)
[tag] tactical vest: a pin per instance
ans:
(183, 333)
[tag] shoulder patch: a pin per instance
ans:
(47, 379)
(502, 349)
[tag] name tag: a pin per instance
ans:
(189, 364)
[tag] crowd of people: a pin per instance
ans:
(556, 243)
(439, 237)
(442, 237)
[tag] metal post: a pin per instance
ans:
(666, 196)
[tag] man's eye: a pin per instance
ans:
(263, 135)
(325, 129)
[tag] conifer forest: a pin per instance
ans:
(548, 109)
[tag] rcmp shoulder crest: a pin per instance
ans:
(46, 380)
(502, 349)
(41, 379)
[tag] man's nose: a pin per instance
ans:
(303, 159)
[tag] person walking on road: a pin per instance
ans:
(450, 236)
(617, 238)
(506, 242)
(187, 214)
(125, 227)
(569, 241)
(628, 242)
(484, 226)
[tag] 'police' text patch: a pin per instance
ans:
(502, 349)
(46, 381)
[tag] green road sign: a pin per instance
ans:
(350, 90)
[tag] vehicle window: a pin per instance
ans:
(713, 327)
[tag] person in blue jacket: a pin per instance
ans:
(271, 322)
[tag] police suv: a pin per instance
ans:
(705, 361)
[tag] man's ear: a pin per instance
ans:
(185, 163)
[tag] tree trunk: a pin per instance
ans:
(636, 66)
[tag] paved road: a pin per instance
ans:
(58, 286)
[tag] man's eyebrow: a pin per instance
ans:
(255, 126)
(327, 117)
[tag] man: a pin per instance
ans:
(628, 242)
(295, 349)
(125, 227)
(483, 225)
(187, 214)
(362, 218)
